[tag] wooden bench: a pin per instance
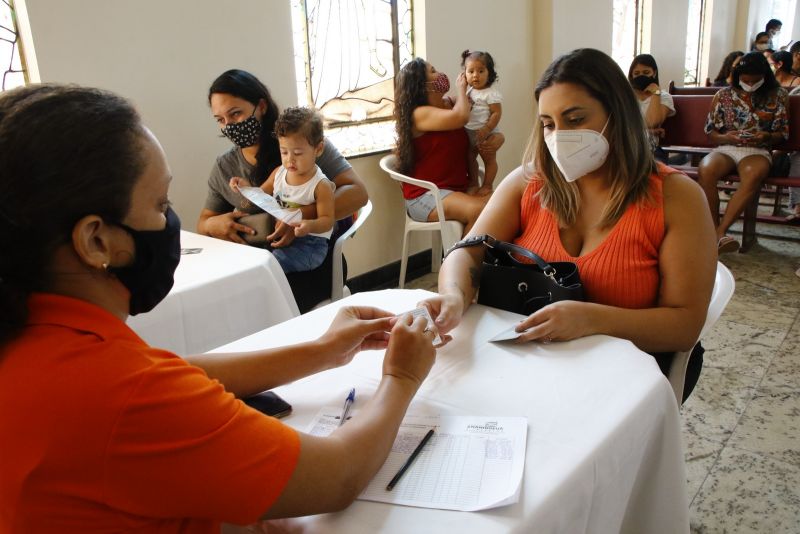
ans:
(693, 90)
(684, 132)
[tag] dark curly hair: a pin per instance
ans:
(409, 94)
(485, 58)
(785, 59)
(244, 85)
(82, 146)
(302, 120)
(727, 66)
(755, 63)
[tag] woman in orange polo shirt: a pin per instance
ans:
(102, 433)
(590, 192)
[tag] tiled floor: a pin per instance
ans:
(741, 425)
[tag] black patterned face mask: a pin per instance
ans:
(245, 133)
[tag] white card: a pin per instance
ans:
(422, 311)
(507, 334)
(270, 205)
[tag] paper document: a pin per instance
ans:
(270, 205)
(470, 463)
(507, 334)
(422, 311)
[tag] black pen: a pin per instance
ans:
(410, 461)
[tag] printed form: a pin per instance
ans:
(470, 463)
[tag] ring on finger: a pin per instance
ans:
(547, 340)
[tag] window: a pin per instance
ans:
(782, 10)
(14, 73)
(346, 55)
(694, 42)
(627, 31)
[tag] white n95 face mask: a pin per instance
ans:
(577, 152)
(751, 88)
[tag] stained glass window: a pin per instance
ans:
(346, 55)
(10, 48)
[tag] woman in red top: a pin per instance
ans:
(432, 144)
(590, 192)
(102, 433)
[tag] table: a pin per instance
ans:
(221, 294)
(604, 451)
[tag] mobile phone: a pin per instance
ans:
(269, 403)
(262, 223)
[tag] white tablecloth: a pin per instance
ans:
(604, 450)
(221, 294)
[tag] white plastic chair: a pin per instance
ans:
(446, 233)
(724, 285)
(338, 289)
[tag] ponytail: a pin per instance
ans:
(65, 152)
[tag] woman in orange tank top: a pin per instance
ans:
(590, 192)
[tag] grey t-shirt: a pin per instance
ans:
(222, 199)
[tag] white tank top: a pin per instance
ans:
(294, 196)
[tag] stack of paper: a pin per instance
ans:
(471, 463)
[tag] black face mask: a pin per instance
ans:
(245, 133)
(641, 82)
(150, 277)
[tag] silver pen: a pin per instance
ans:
(348, 403)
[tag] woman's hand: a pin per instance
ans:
(560, 321)
(411, 354)
(652, 88)
(461, 84)
(446, 311)
(236, 182)
(491, 144)
(356, 328)
(224, 226)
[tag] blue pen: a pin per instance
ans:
(348, 403)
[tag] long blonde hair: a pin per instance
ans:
(630, 158)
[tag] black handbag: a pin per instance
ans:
(509, 284)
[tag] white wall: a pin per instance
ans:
(722, 38)
(164, 56)
(581, 24)
(668, 39)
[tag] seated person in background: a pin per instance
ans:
(246, 114)
(484, 116)
(632, 225)
(101, 432)
(761, 43)
(745, 120)
(656, 105)
(782, 62)
(299, 182)
(432, 144)
(723, 78)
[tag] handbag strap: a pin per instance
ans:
(506, 247)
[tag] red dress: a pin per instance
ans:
(441, 158)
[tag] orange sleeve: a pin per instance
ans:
(183, 447)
